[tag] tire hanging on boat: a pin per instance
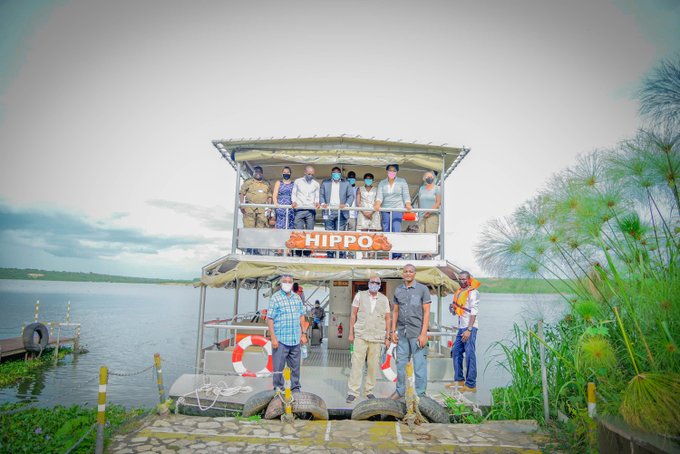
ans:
(302, 403)
(378, 407)
(386, 367)
(29, 337)
(257, 403)
(237, 356)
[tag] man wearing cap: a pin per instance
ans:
(255, 190)
(369, 326)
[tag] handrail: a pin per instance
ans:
(398, 210)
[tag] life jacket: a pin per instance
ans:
(461, 295)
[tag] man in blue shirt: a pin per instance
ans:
(286, 318)
(335, 194)
(410, 319)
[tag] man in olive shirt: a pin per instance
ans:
(255, 190)
(410, 319)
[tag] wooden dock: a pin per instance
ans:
(15, 345)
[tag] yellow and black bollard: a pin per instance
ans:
(101, 409)
(287, 397)
(159, 377)
(37, 309)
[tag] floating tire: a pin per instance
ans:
(257, 403)
(303, 403)
(29, 337)
(432, 410)
(378, 407)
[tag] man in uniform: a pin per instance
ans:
(410, 319)
(255, 190)
(369, 326)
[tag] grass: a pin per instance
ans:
(56, 430)
(14, 371)
(461, 413)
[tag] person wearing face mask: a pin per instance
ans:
(283, 195)
(392, 193)
(368, 219)
(255, 190)
(464, 310)
(305, 194)
(352, 221)
(335, 194)
(369, 328)
(429, 197)
(286, 323)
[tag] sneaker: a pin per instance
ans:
(395, 396)
(350, 399)
(370, 396)
(456, 384)
(465, 389)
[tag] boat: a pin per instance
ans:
(226, 372)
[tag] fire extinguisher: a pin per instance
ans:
(340, 330)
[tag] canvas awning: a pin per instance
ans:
(248, 268)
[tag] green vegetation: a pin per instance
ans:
(461, 413)
(14, 371)
(58, 429)
(42, 275)
(608, 229)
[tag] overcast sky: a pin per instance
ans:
(107, 109)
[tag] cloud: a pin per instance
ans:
(213, 218)
(68, 235)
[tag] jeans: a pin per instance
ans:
(407, 348)
(287, 354)
(468, 348)
(304, 220)
(337, 223)
(391, 222)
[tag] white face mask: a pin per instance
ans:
(373, 287)
(286, 287)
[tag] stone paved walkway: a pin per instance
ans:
(177, 434)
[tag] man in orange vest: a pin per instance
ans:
(464, 310)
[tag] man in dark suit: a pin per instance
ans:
(335, 193)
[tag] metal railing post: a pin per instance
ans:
(101, 409)
(237, 210)
(199, 340)
(159, 376)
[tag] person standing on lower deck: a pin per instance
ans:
(410, 319)
(286, 320)
(464, 310)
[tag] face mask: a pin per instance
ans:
(286, 176)
(373, 287)
(352, 181)
(286, 287)
(429, 180)
(257, 176)
(368, 181)
(309, 178)
(335, 176)
(391, 175)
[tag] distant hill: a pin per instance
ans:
(504, 285)
(43, 275)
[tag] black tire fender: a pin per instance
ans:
(302, 403)
(29, 337)
(378, 407)
(257, 403)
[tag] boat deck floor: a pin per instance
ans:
(324, 373)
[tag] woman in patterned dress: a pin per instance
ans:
(283, 189)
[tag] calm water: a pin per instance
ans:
(123, 325)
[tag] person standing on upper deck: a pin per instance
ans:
(410, 320)
(283, 195)
(464, 310)
(429, 197)
(392, 193)
(352, 221)
(335, 194)
(305, 194)
(255, 190)
(286, 323)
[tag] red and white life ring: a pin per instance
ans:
(237, 356)
(386, 367)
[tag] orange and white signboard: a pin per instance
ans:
(338, 241)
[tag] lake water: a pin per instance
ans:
(123, 325)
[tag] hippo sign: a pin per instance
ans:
(338, 241)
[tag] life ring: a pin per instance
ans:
(386, 367)
(237, 356)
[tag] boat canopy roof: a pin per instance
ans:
(352, 153)
(248, 269)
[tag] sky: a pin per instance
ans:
(108, 109)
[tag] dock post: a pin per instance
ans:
(287, 396)
(76, 343)
(101, 409)
(592, 406)
(544, 372)
(68, 312)
(56, 350)
(37, 308)
(23, 325)
(159, 376)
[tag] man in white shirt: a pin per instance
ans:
(464, 310)
(305, 194)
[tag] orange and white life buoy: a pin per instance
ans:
(237, 356)
(386, 367)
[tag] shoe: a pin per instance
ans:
(370, 396)
(466, 389)
(456, 384)
(350, 399)
(395, 396)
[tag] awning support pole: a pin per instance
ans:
(237, 289)
(237, 209)
(199, 340)
(442, 217)
(257, 295)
